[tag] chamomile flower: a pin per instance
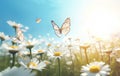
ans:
(57, 52)
(11, 48)
(17, 71)
(3, 36)
(85, 45)
(14, 24)
(32, 64)
(95, 69)
(30, 43)
(15, 41)
(46, 62)
(39, 51)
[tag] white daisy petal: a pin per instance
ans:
(95, 69)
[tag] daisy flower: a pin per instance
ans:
(85, 45)
(15, 71)
(57, 52)
(12, 48)
(3, 36)
(32, 63)
(15, 41)
(46, 62)
(39, 51)
(29, 44)
(14, 24)
(108, 51)
(48, 44)
(95, 69)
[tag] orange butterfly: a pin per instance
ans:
(65, 28)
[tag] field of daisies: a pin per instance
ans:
(28, 56)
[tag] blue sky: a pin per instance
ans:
(94, 16)
(27, 11)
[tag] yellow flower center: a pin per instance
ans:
(49, 45)
(29, 43)
(94, 69)
(40, 51)
(57, 53)
(32, 64)
(47, 62)
(14, 47)
(85, 46)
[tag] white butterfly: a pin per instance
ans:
(65, 28)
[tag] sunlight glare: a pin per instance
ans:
(98, 18)
(102, 24)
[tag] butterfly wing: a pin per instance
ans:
(56, 28)
(20, 35)
(38, 20)
(65, 29)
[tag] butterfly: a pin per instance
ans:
(65, 28)
(38, 20)
(20, 35)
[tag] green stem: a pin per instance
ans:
(15, 31)
(40, 73)
(81, 54)
(13, 60)
(86, 55)
(109, 60)
(72, 67)
(30, 53)
(58, 66)
(41, 56)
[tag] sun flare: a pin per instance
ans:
(98, 18)
(103, 24)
